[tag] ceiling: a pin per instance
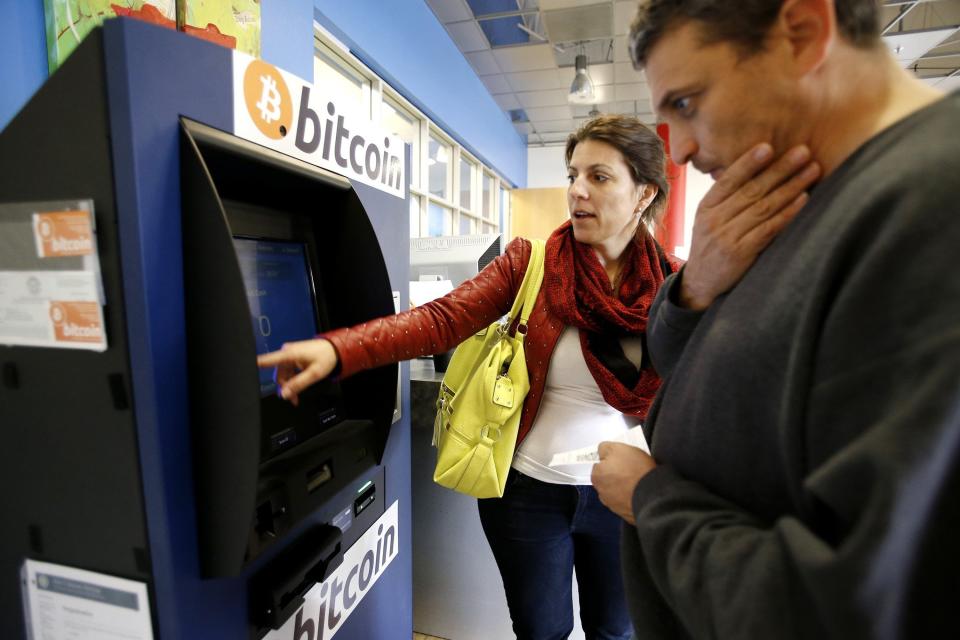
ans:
(524, 52)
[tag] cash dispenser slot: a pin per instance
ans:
(277, 591)
(267, 241)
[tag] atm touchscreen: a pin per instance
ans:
(282, 296)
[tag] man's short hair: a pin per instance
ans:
(742, 23)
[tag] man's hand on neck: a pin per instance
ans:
(754, 199)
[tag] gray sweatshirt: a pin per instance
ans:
(798, 407)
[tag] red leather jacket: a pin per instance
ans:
(441, 325)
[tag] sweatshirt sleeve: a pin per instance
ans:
(437, 326)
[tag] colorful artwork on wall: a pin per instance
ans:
(231, 23)
(69, 21)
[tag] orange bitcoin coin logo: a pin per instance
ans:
(268, 99)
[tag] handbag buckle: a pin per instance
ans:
(490, 432)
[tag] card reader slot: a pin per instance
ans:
(368, 494)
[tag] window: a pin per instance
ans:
(404, 124)
(439, 220)
(338, 77)
(488, 213)
(451, 191)
(438, 163)
(467, 171)
(466, 224)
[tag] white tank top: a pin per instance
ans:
(572, 414)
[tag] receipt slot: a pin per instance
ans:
(157, 460)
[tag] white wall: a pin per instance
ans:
(697, 186)
(546, 167)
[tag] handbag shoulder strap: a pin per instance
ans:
(530, 287)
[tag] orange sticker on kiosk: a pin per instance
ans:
(63, 233)
(76, 322)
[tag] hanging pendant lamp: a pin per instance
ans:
(581, 90)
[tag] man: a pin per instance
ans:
(809, 387)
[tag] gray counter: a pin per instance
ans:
(457, 592)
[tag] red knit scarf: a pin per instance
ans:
(579, 293)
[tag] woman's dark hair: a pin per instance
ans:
(642, 150)
(743, 23)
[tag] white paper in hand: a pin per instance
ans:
(633, 437)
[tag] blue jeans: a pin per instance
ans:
(540, 532)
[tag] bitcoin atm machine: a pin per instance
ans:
(169, 209)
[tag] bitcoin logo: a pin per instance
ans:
(268, 99)
(269, 104)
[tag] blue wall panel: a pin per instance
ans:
(401, 40)
(287, 42)
(23, 55)
(286, 36)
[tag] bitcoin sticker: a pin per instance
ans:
(267, 99)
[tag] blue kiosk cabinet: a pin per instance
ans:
(169, 209)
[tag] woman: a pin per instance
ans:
(589, 379)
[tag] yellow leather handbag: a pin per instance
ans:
(478, 409)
